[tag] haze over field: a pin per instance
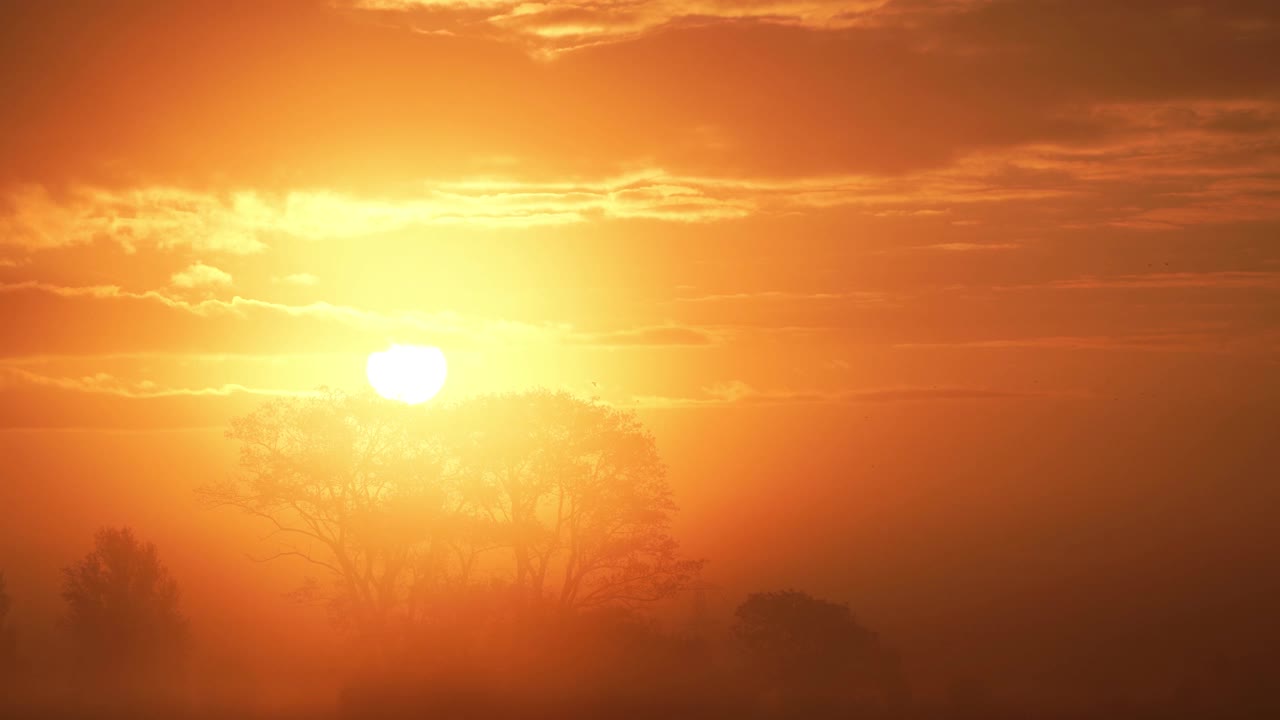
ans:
(961, 313)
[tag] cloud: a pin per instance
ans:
(107, 384)
(1216, 280)
(792, 88)
(200, 275)
(560, 24)
(971, 247)
(1208, 342)
(671, 335)
(125, 321)
(865, 298)
(301, 279)
(163, 218)
(736, 393)
(244, 222)
(247, 221)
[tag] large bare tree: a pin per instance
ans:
(565, 499)
(345, 484)
(579, 492)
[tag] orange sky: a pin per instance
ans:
(924, 299)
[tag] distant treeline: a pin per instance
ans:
(497, 557)
(503, 557)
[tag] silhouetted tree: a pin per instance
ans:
(348, 486)
(578, 493)
(122, 608)
(797, 642)
(400, 505)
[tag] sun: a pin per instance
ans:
(409, 373)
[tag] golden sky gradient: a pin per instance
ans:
(974, 299)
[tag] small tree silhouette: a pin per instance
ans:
(799, 642)
(122, 608)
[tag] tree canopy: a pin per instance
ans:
(561, 500)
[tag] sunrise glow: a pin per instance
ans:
(638, 359)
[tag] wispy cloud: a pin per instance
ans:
(449, 326)
(1239, 279)
(301, 279)
(199, 275)
(969, 246)
(736, 393)
(1209, 342)
(245, 222)
(164, 218)
(656, 335)
(869, 298)
(557, 25)
(107, 384)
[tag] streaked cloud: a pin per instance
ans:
(657, 335)
(253, 316)
(870, 298)
(567, 22)
(1218, 280)
(970, 246)
(300, 279)
(106, 384)
(736, 392)
(1225, 341)
(558, 25)
(244, 222)
(163, 218)
(199, 275)
(247, 222)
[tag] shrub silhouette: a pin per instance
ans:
(799, 645)
(8, 637)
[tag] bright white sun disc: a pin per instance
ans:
(409, 373)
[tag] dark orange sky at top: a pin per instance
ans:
(964, 311)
